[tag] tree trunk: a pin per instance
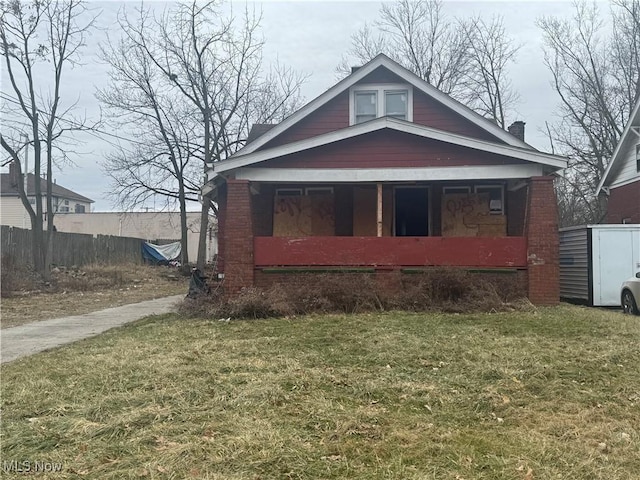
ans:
(184, 253)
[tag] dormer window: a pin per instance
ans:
(373, 101)
(366, 106)
(396, 104)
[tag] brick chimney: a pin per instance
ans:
(13, 174)
(355, 69)
(517, 129)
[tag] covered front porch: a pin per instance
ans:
(496, 224)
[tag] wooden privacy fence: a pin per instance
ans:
(74, 248)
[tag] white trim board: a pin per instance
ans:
(357, 175)
(392, 124)
(383, 61)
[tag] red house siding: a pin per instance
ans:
(332, 116)
(388, 149)
(624, 203)
(431, 113)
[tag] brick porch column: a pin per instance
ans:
(542, 242)
(238, 238)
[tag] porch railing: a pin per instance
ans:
(484, 252)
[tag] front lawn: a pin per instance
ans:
(548, 394)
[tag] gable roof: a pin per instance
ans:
(382, 60)
(8, 188)
(391, 123)
(618, 153)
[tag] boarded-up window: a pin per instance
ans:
(468, 215)
(304, 215)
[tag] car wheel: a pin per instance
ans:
(629, 305)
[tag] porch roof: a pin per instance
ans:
(533, 156)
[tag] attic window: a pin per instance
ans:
(373, 101)
(366, 106)
(396, 104)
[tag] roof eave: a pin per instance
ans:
(548, 160)
(634, 121)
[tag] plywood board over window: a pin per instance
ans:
(304, 215)
(469, 215)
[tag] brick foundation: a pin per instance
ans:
(543, 242)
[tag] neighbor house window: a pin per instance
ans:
(80, 208)
(638, 158)
(496, 197)
(381, 100)
(366, 106)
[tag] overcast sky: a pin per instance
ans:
(310, 37)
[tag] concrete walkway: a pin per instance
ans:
(24, 340)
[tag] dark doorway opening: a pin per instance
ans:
(411, 212)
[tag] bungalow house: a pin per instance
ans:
(12, 211)
(621, 179)
(386, 174)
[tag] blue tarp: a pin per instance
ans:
(161, 254)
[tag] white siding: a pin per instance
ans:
(627, 171)
(13, 213)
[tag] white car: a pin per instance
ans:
(630, 295)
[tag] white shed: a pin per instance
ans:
(595, 260)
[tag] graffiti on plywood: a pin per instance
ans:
(304, 216)
(468, 215)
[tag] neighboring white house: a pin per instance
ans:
(13, 213)
(621, 180)
(145, 225)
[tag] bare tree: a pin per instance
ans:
(596, 76)
(465, 58)
(489, 91)
(141, 99)
(210, 65)
(38, 41)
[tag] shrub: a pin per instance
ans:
(442, 289)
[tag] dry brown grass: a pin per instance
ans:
(546, 394)
(88, 289)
